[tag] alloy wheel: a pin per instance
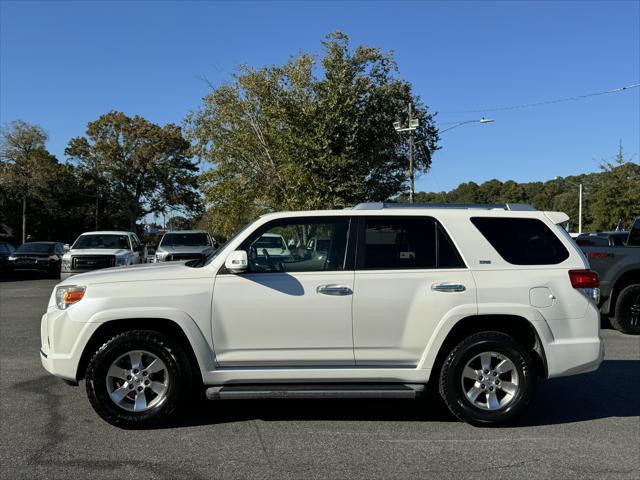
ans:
(490, 381)
(137, 381)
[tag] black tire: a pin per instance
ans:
(451, 383)
(627, 314)
(177, 370)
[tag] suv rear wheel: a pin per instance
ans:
(137, 379)
(488, 379)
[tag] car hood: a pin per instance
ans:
(136, 273)
(118, 252)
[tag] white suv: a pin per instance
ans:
(477, 301)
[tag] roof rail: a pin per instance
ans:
(514, 207)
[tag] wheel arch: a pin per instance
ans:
(518, 327)
(174, 329)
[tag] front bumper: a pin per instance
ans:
(62, 340)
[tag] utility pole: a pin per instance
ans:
(580, 209)
(413, 124)
(411, 176)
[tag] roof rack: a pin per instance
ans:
(514, 207)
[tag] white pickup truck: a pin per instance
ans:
(95, 250)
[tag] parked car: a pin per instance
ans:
(617, 262)
(43, 257)
(184, 245)
(96, 250)
(479, 302)
(6, 249)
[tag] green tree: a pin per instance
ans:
(142, 167)
(25, 165)
(284, 137)
(618, 192)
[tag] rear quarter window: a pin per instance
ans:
(522, 241)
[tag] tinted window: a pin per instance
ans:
(522, 241)
(592, 240)
(396, 243)
(185, 239)
(35, 248)
(287, 245)
(619, 239)
(4, 248)
(399, 242)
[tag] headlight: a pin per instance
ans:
(12, 258)
(66, 264)
(121, 261)
(161, 256)
(68, 295)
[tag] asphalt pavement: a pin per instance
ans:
(586, 426)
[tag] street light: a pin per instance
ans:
(482, 120)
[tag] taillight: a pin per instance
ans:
(584, 279)
(588, 282)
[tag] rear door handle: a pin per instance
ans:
(334, 290)
(448, 287)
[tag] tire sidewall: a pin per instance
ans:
(457, 399)
(116, 347)
(621, 321)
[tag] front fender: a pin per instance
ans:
(203, 352)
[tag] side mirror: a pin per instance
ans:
(237, 262)
(67, 247)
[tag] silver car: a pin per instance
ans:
(184, 245)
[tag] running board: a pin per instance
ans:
(247, 392)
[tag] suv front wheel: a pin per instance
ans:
(137, 379)
(488, 379)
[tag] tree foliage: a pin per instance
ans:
(286, 137)
(54, 194)
(609, 196)
(142, 167)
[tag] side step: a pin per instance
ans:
(246, 392)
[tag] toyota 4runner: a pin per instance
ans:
(476, 301)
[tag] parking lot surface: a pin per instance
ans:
(587, 426)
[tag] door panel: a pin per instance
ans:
(409, 276)
(395, 313)
(293, 306)
(279, 318)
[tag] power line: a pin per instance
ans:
(548, 102)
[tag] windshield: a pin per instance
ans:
(35, 248)
(102, 241)
(185, 240)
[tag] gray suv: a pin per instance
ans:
(185, 245)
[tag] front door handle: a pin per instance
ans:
(334, 290)
(448, 287)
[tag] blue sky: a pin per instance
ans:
(63, 64)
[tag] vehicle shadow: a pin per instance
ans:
(612, 391)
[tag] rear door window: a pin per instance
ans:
(522, 241)
(405, 242)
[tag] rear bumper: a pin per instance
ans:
(574, 356)
(574, 345)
